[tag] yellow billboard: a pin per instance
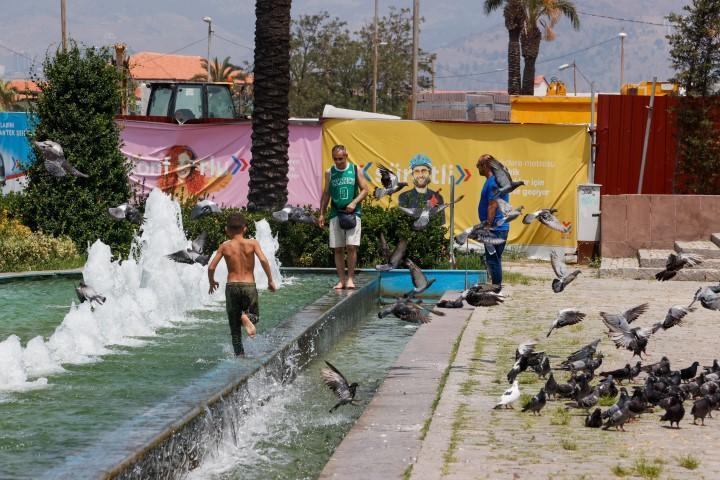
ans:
(550, 159)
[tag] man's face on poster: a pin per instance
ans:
(421, 176)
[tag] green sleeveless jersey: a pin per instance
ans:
(343, 189)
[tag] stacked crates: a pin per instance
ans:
(464, 106)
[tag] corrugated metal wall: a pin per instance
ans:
(620, 133)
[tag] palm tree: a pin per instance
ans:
(220, 72)
(7, 95)
(540, 18)
(271, 88)
(514, 13)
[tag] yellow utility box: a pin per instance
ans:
(645, 88)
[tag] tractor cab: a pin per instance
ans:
(186, 101)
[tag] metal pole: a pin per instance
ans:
(622, 59)
(647, 136)
(208, 54)
(591, 169)
(416, 34)
(574, 79)
(63, 25)
(452, 221)
(375, 60)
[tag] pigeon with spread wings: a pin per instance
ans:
(336, 381)
(547, 217)
(564, 277)
(503, 179)
(423, 215)
(390, 183)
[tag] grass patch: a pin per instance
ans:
(460, 419)
(478, 348)
(443, 380)
(620, 471)
(607, 401)
(560, 416)
(527, 379)
(646, 469)
(408, 472)
(516, 277)
(577, 328)
(468, 387)
(524, 398)
(689, 462)
(568, 445)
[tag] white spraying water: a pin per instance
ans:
(144, 293)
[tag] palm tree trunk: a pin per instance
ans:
(530, 39)
(269, 164)
(514, 61)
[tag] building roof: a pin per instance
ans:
(161, 66)
(23, 86)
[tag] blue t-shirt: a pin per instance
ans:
(485, 195)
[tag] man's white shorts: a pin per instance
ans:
(341, 238)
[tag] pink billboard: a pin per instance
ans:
(213, 160)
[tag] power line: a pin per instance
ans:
(232, 41)
(630, 20)
(16, 52)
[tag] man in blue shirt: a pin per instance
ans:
(489, 215)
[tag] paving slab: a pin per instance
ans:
(705, 248)
(653, 258)
(715, 238)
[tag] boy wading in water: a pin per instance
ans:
(241, 296)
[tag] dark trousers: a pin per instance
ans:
(494, 261)
(240, 298)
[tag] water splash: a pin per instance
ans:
(145, 293)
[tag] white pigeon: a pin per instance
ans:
(509, 397)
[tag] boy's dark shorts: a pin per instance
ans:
(241, 297)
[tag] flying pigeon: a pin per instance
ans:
(522, 360)
(194, 253)
(510, 396)
(480, 234)
(203, 207)
(536, 403)
(127, 212)
(390, 183)
(86, 293)
(709, 297)
(565, 317)
(674, 316)
(423, 214)
(503, 179)
(408, 311)
(294, 214)
(677, 261)
(546, 217)
(337, 382)
(392, 259)
(564, 277)
(55, 162)
(593, 420)
(509, 213)
(633, 339)
(419, 280)
(588, 351)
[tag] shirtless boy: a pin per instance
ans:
(241, 297)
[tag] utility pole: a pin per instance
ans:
(375, 60)
(416, 34)
(208, 20)
(63, 25)
(622, 36)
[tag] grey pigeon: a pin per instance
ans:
(564, 277)
(536, 403)
(587, 401)
(503, 179)
(593, 419)
(619, 419)
(336, 381)
(565, 317)
(419, 280)
(547, 217)
(480, 234)
(675, 262)
(422, 215)
(482, 298)
(390, 183)
(700, 409)
(457, 303)
(86, 293)
(194, 254)
(508, 212)
(522, 360)
(408, 311)
(585, 365)
(290, 213)
(551, 386)
(542, 367)
(620, 374)
(204, 207)
(392, 259)
(633, 339)
(55, 162)
(675, 316)
(127, 212)
(588, 351)
(659, 368)
(709, 297)
(622, 401)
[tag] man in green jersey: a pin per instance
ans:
(344, 190)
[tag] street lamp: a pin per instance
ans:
(591, 172)
(568, 65)
(622, 36)
(208, 20)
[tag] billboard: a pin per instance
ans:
(14, 150)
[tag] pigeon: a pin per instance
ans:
(674, 412)
(714, 368)
(408, 311)
(621, 403)
(507, 211)
(561, 272)
(127, 212)
(423, 214)
(619, 419)
(194, 253)
(457, 303)
(675, 262)
(675, 316)
(689, 372)
(709, 297)
(55, 162)
(588, 351)
(700, 409)
(479, 298)
(551, 386)
(633, 339)
(202, 208)
(619, 374)
(546, 217)
(588, 365)
(536, 403)
(290, 213)
(659, 368)
(510, 396)
(594, 420)
(390, 183)
(419, 280)
(337, 382)
(86, 293)
(542, 368)
(503, 179)
(607, 387)
(394, 258)
(565, 317)
(523, 355)
(587, 401)
(479, 233)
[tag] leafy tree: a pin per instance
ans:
(220, 72)
(7, 95)
(515, 16)
(695, 55)
(271, 86)
(79, 96)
